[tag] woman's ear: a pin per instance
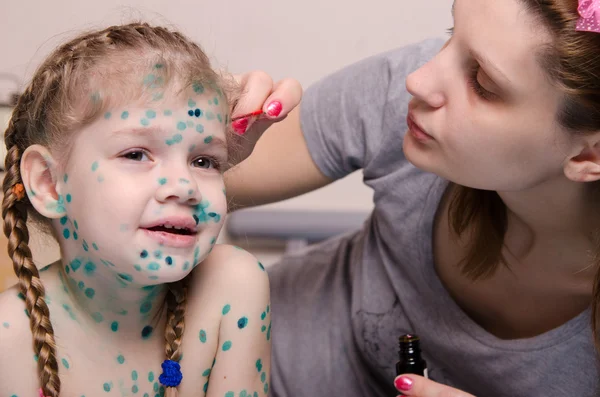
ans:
(585, 165)
(38, 173)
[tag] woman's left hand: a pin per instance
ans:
(418, 386)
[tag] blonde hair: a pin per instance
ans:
(69, 90)
(571, 62)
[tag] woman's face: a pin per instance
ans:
(487, 106)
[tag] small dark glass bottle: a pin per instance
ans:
(409, 356)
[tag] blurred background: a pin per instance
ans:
(305, 39)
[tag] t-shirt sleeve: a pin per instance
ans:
(345, 117)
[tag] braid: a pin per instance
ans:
(15, 229)
(176, 304)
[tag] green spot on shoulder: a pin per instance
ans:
(120, 359)
(97, 317)
(202, 336)
(226, 345)
(66, 233)
(6, 325)
(89, 269)
(134, 375)
(107, 386)
(230, 394)
(181, 126)
(242, 322)
(89, 292)
(151, 376)
(65, 363)
(114, 326)
(226, 309)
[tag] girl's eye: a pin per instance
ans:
(136, 155)
(205, 162)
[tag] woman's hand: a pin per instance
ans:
(417, 386)
(259, 92)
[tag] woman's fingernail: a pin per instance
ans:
(274, 109)
(403, 383)
(240, 126)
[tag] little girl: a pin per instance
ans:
(118, 146)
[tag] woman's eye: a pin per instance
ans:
(137, 155)
(205, 162)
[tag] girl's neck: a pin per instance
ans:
(100, 301)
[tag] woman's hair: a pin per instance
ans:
(572, 63)
(73, 87)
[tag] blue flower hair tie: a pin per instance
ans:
(171, 376)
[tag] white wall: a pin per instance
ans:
(304, 39)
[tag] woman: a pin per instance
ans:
(485, 216)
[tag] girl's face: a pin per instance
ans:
(486, 105)
(143, 190)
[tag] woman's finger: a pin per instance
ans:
(418, 386)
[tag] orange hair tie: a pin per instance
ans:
(19, 190)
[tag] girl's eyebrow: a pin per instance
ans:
(150, 131)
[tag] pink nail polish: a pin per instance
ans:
(274, 109)
(240, 126)
(403, 383)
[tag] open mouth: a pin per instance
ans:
(181, 231)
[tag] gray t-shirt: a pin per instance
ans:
(339, 307)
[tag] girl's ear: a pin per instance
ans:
(38, 173)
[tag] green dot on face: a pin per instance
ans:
(226, 345)
(120, 359)
(226, 309)
(230, 394)
(263, 377)
(134, 375)
(94, 166)
(151, 376)
(65, 363)
(208, 139)
(68, 197)
(114, 326)
(162, 181)
(125, 115)
(168, 112)
(199, 128)
(134, 389)
(202, 336)
(153, 266)
(150, 114)
(145, 122)
(181, 126)
(106, 387)
(6, 325)
(191, 103)
(95, 246)
(89, 292)
(107, 115)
